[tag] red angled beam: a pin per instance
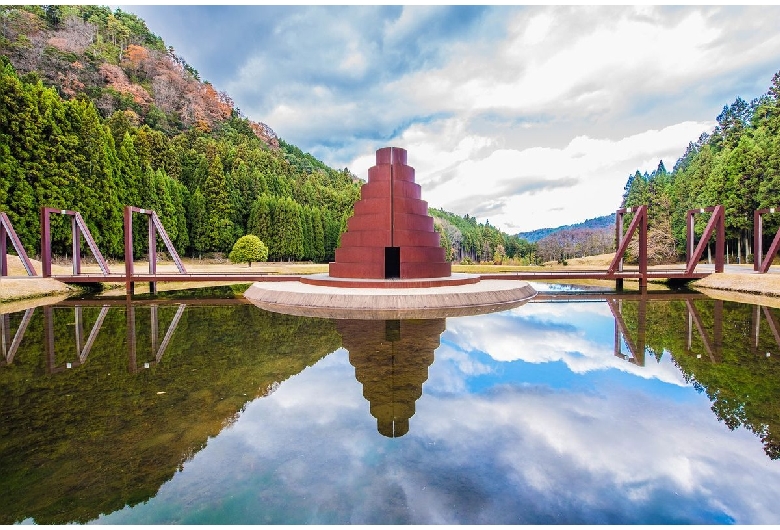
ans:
(622, 241)
(82, 229)
(762, 263)
(78, 227)
(168, 243)
(716, 222)
(155, 227)
(7, 232)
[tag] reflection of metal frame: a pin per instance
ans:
(7, 232)
(761, 263)
(773, 325)
(156, 351)
(717, 221)
(78, 227)
(11, 346)
(714, 346)
(637, 348)
(82, 350)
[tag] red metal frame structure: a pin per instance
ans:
(155, 227)
(7, 232)
(78, 227)
(717, 221)
(622, 241)
(762, 263)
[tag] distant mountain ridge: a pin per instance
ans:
(605, 221)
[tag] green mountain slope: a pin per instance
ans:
(603, 222)
(99, 113)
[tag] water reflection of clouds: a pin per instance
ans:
(549, 332)
(310, 453)
(615, 454)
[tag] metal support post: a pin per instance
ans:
(45, 242)
(128, 222)
(152, 254)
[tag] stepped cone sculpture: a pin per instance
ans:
(390, 234)
(391, 360)
(390, 263)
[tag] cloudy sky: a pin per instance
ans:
(544, 426)
(528, 117)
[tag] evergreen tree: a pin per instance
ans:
(261, 221)
(332, 232)
(179, 198)
(288, 225)
(318, 235)
(307, 233)
(198, 223)
(215, 193)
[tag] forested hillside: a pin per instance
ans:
(466, 240)
(97, 113)
(604, 221)
(737, 165)
(588, 238)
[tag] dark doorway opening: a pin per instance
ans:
(392, 262)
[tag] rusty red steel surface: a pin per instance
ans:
(391, 234)
(78, 228)
(155, 228)
(716, 222)
(327, 281)
(762, 263)
(639, 221)
(7, 232)
(399, 222)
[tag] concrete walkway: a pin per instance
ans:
(302, 299)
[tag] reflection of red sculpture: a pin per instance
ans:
(391, 234)
(391, 360)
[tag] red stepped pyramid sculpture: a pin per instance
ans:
(390, 234)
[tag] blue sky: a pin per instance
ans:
(526, 416)
(528, 117)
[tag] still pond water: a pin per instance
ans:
(210, 410)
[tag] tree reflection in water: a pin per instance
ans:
(104, 401)
(721, 348)
(103, 404)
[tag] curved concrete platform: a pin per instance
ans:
(303, 299)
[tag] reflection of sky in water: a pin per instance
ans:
(526, 417)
